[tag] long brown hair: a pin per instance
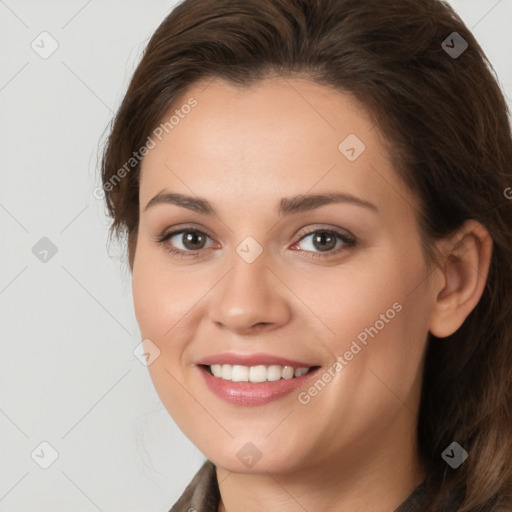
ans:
(446, 124)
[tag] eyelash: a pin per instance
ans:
(349, 243)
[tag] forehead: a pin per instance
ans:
(278, 137)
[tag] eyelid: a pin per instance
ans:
(348, 239)
(308, 230)
(323, 227)
(179, 228)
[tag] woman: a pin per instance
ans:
(314, 195)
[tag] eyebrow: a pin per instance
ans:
(287, 205)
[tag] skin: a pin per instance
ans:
(353, 446)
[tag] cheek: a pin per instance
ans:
(155, 291)
(379, 330)
(381, 305)
(160, 304)
(159, 301)
(153, 297)
(147, 299)
(396, 322)
(167, 302)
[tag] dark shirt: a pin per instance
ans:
(202, 494)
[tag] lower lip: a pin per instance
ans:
(249, 393)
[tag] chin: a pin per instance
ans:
(247, 458)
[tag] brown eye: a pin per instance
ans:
(325, 241)
(185, 240)
(193, 240)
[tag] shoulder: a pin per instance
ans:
(202, 493)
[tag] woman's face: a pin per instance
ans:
(267, 276)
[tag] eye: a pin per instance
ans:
(191, 241)
(323, 243)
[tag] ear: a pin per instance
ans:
(460, 280)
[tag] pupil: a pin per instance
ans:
(192, 237)
(322, 238)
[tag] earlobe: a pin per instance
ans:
(463, 274)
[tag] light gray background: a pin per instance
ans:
(68, 375)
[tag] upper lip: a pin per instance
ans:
(252, 360)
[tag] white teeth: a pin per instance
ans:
(227, 371)
(240, 373)
(259, 373)
(287, 372)
(274, 372)
(216, 370)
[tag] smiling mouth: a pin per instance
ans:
(256, 374)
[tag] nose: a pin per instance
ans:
(250, 298)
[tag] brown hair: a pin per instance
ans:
(449, 138)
